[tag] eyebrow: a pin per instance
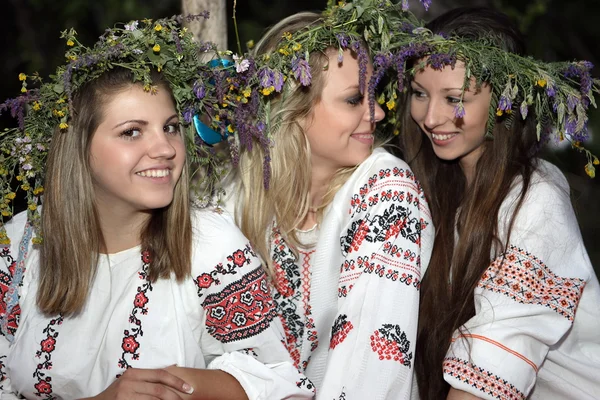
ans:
(444, 90)
(355, 86)
(143, 122)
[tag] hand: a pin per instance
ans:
(136, 383)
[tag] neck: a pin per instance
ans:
(318, 187)
(121, 230)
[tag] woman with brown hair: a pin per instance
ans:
(118, 288)
(504, 313)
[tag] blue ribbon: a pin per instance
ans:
(205, 132)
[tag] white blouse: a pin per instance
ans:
(349, 304)
(536, 331)
(222, 317)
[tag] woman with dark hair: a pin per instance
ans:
(503, 309)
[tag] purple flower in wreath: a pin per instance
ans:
(504, 104)
(301, 71)
(459, 110)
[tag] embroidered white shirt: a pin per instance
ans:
(221, 317)
(536, 330)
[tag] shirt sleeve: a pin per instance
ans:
(526, 300)
(14, 229)
(385, 243)
(241, 334)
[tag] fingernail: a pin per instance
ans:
(188, 388)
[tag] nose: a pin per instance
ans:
(160, 146)
(434, 114)
(378, 112)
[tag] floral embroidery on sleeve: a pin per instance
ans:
(243, 308)
(340, 329)
(527, 280)
(482, 380)
(391, 343)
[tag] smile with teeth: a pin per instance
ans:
(154, 173)
(437, 136)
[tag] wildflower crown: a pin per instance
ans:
(140, 47)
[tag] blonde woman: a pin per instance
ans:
(344, 228)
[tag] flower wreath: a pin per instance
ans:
(230, 100)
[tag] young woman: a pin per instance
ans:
(131, 295)
(344, 229)
(503, 306)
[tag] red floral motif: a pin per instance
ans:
(236, 260)
(130, 345)
(204, 280)
(48, 344)
(43, 387)
(340, 330)
(526, 279)
(146, 258)
(229, 319)
(391, 343)
(239, 258)
(140, 300)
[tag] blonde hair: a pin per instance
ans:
(287, 200)
(70, 226)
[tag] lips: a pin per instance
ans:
(366, 138)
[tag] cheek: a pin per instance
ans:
(416, 110)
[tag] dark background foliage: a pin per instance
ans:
(555, 30)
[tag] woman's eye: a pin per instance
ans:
(453, 100)
(172, 128)
(418, 93)
(131, 133)
(355, 100)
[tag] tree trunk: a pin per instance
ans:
(213, 29)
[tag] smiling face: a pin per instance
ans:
(435, 94)
(137, 153)
(339, 129)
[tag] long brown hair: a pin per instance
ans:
(455, 269)
(70, 226)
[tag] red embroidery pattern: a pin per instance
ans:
(393, 220)
(290, 300)
(340, 329)
(525, 279)
(130, 343)
(238, 259)
(391, 343)
(44, 385)
(482, 380)
(311, 333)
(242, 309)
(5, 281)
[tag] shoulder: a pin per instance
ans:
(383, 168)
(216, 238)
(214, 225)
(548, 194)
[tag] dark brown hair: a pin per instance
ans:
(447, 300)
